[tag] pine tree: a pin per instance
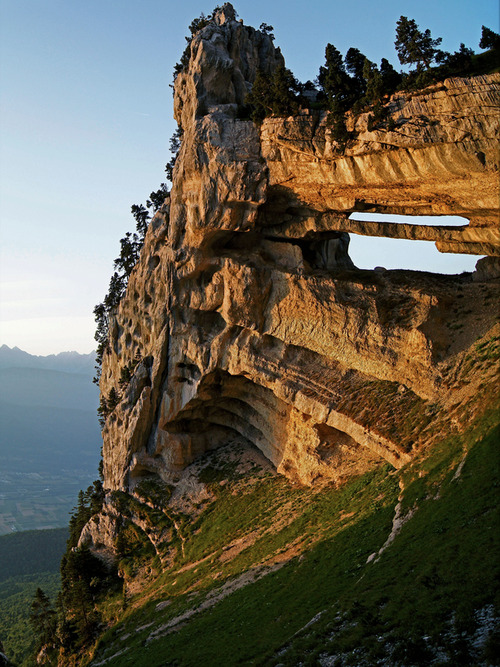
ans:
(130, 248)
(283, 89)
(82, 578)
(141, 216)
(198, 23)
(42, 619)
(459, 62)
(354, 63)
(175, 145)
(102, 411)
(125, 376)
(390, 78)
(274, 95)
(155, 202)
(373, 81)
(257, 98)
(66, 630)
(489, 39)
(334, 80)
(336, 121)
(117, 286)
(78, 519)
(101, 316)
(113, 399)
(96, 497)
(413, 46)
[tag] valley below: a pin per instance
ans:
(49, 438)
(37, 501)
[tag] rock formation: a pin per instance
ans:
(245, 317)
(440, 158)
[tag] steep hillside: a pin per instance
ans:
(382, 571)
(300, 459)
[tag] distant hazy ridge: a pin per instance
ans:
(49, 436)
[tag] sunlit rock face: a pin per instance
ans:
(440, 157)
(249, 319)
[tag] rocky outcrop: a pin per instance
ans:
(434, 153)
(249, 319)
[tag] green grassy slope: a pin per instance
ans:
(429, 595)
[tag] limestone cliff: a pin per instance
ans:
(250, 321)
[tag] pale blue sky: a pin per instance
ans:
(86, 119)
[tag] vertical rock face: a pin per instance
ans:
(225, 57)
(245, 320)
(220, 179)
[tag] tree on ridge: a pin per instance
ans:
(415, 47)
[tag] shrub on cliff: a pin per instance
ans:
(267, 29)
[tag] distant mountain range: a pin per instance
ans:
(47, 411)
(66, 362)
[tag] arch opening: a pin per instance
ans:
(369, 252)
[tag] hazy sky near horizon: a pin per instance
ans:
(86, 118)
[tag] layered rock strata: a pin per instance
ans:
(434, 153)
(249, 319)
(459, 238)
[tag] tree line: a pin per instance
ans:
(130, 249)
(353, 82)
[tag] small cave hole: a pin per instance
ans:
(153, 262)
